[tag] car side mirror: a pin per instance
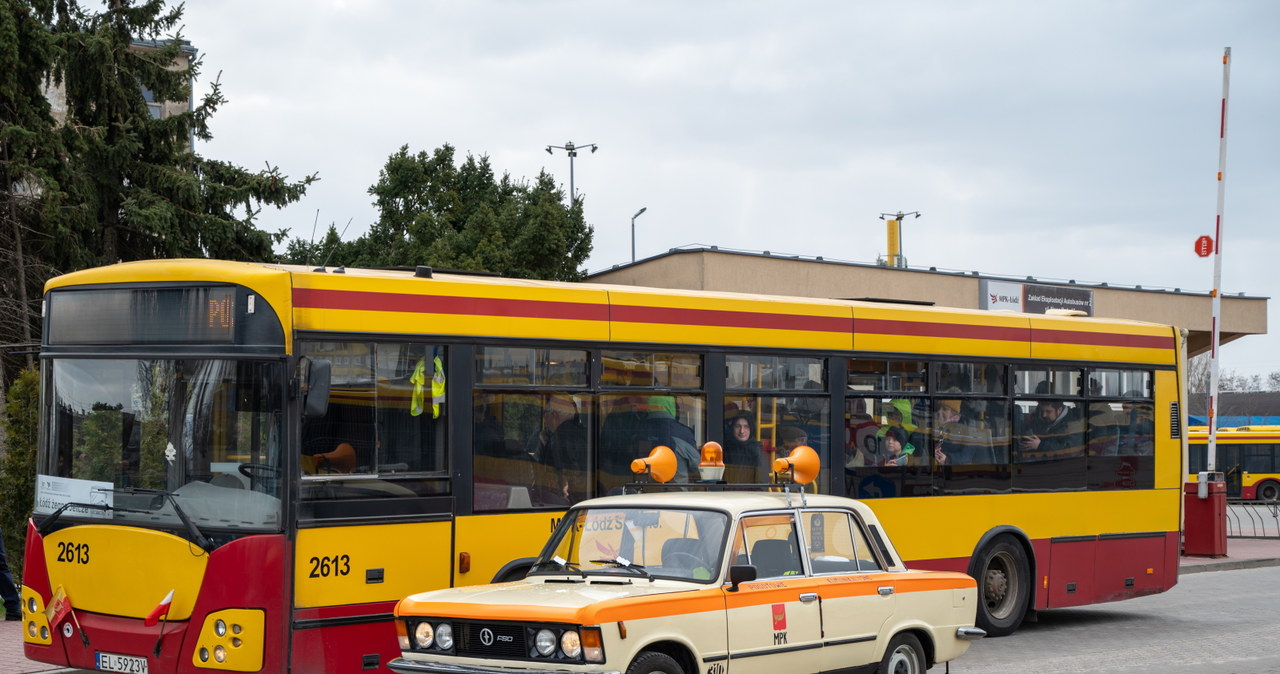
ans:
(741, 573)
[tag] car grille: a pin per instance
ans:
(508, 641)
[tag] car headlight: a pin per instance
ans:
(571, 644)
(444, 636)
(423, 634)
(545, 643)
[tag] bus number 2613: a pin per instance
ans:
(337, 565)
(76, 553)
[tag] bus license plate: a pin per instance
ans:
(111, 662)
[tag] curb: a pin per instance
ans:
(1229, 565)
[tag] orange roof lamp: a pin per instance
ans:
(711, 468)
(803, 464)
(660, 464)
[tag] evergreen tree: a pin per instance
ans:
(438, 213)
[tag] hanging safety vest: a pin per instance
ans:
(437, 388)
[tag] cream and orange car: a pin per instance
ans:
(685, 582)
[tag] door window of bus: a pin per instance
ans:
(907, 376)
(531, 440)
(531, 449)
(382, 435)
(656, 400)
(772, 405)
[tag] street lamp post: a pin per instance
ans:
(633, 232)
(572, 151)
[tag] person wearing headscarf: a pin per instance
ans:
(744, 459)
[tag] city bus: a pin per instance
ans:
(242, 467)
(1248, 457)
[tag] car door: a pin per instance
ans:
(856, 593)
(775, 622)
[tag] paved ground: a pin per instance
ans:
(1242, 553)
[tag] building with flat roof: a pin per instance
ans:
(718, 269)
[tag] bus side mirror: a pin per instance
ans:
(741, 573)
(315, 387)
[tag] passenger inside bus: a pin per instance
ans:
(1054, 431)
(744, 457)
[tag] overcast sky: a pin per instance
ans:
(1060, 140)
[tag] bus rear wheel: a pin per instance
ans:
(1004, 586)
(1269, 491)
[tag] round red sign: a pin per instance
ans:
(1204, 246)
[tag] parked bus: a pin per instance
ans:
(243, 466)
(1247, 456)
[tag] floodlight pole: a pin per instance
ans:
(572, 151)
(1211, 459)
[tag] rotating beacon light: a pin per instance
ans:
(660, 464)
(711, 468)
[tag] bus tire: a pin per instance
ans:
(1269, 491)
(1004, 586)
(653, 662)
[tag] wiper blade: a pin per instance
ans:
(624, 563)
(560, 564)
(48, 522)
(196, 535)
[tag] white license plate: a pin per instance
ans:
(111, 662)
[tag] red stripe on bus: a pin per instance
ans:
(312, 298)
(1101, 339)
(629, 313)
(895, 328)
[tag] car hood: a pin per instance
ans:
(551, 598)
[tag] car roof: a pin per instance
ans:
(733, 502)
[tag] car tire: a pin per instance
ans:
(1004, 586)
(653, 662)
(1269, 491)
(904, 655)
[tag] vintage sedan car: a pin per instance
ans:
(687, 582)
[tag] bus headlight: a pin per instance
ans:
(571, 644)
(423, 635)
(545, 643)
(444, 636)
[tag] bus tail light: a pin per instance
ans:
(232, 639)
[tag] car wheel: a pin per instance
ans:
(1269, 491)
(653, 662)
(905, 655)
(1004, 586)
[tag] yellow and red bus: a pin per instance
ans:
(243, 466)
(1247, 456)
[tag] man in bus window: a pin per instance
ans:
(1054, 431)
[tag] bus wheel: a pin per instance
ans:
(1004, 586)
(653, 662)
(904, 655)
(1269, 491)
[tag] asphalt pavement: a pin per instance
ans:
(1242, 553)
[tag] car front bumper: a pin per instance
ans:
(406, 666)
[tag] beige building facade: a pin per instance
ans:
(765, 274)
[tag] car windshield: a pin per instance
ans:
(164, 443)
(684, 544)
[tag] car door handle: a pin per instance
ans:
(807, 597)
(885, 590)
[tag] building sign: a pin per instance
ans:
(1034, 298)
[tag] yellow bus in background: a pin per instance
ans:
(244, 466)
(1247, 456)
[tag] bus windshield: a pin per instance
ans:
(155, 442)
